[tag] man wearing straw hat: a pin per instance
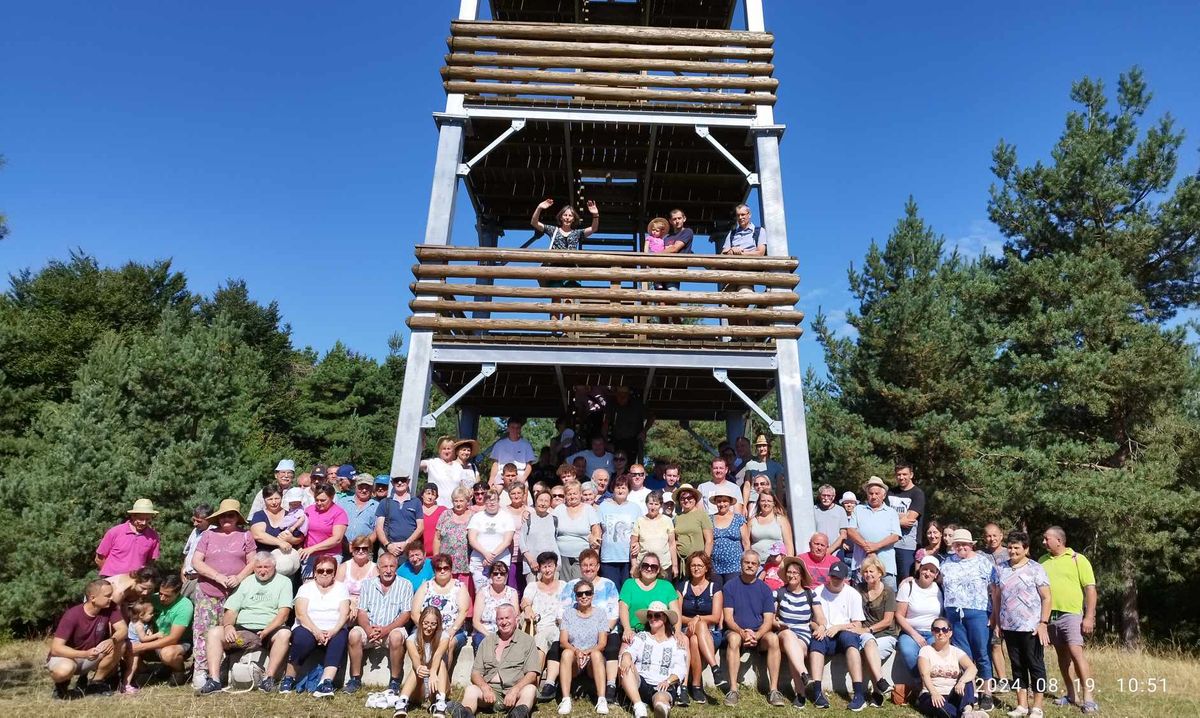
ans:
(653, 665)
(874, 530)
(131, 544)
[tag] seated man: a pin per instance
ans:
(750, 624)
(173, 621)
(254, 617)
(654, 664)
(384, 608)
(843, 608)
(87, 638)
(505, 673)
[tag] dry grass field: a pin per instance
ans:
(1130, 685)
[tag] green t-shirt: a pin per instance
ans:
(638, 598)
(177, 614)
(257, 603)
(689, 531)
(1068, 574)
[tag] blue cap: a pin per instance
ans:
(345, 471)
(383, 480)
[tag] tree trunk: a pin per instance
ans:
(1131, 628)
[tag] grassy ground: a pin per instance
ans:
(1123, 683)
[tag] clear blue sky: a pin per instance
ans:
(291, 144)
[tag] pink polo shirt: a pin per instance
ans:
(126, 550)
(819, 570)
(320, 527)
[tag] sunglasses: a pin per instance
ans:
(637, 473)
(650, 567)
(582, 594)
(655, 617)
(558, 496)
(940, 629)
(445, 567)
(501, 574)
(324, 572)
(399, 481)
(360, 549)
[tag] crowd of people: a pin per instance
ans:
(582, 572)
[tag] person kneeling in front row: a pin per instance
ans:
(653, 665)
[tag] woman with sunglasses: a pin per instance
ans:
(359, 568)
(947, 677)
(582, 638)
(489, 533)
(449, 596)
(703, 606)
(693, 526)
(653, 664)
(641, 590)
(322, 618)
(478, 496)
(488, 599)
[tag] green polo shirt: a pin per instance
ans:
(1069, 573)
(177, 614)
(257, 603)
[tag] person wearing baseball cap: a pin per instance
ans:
(844, 616)
(360, 507)
(875, 529)
(130, 544)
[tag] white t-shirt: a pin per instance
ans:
(638, 497)
(323, 608)
(924, 604)
(446, 476)
(507, 451)
(491, 529)
(708, 488)
(843, 607)
(594, 462)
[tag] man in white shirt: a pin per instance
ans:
(637, 486)
(597, 458)
(844, 616)
(513, 449)
(720, 469)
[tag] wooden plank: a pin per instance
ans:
(767, 279)
(568, 325)
(608, 33)
(614, 79)
(608, 310)
(616, 63)
(450, 253)
(604, 49)
(613, 93)
(445, 289)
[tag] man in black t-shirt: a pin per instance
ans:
(909, 502)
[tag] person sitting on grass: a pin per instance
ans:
(653, 666)
(254, 616)
(427, 652)
(948, 677)
(87, 639)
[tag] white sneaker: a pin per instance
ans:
(564, 707)
(602, 706)
(1018, 712)
(639, 710)
(661, 710)
(199, 678)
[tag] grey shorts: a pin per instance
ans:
(1066, 630)
(83, 666)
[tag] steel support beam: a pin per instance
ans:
(751, 177)
(722, 376)
(603, 356)
(430, 420)
(790, 381)
(464, 169)
(632, 117)
(414, 397)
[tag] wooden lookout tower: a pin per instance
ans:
(642, 106)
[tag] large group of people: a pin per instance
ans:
(581, 571)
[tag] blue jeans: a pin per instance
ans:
(905, 558)
(972, 636)
(909, 649)
(956, 703)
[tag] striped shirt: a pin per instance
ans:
(794, 610)
(383, 608)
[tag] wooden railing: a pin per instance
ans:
(625, 64)
(615, 296)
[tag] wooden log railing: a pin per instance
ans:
(629, 64)
(615, 296)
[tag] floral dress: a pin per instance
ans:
(727, 546)
(453, 536)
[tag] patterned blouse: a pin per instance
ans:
(453, 536)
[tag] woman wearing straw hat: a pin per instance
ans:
(130, 544)
(653, 665)
(224, 557)
(967, 578)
